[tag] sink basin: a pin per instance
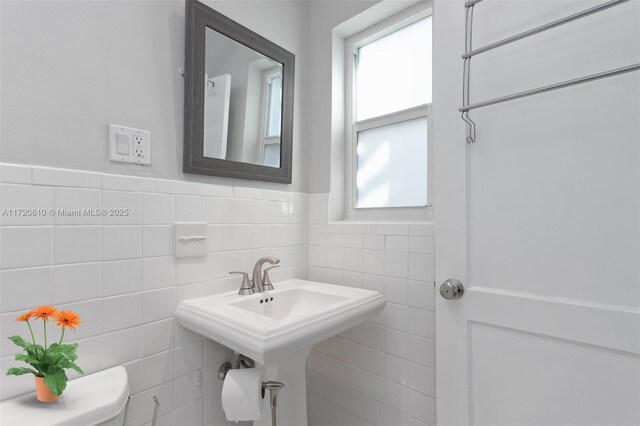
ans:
(277, 329)
(290, 303)
(293, 317)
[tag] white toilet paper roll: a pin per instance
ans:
(242, 394)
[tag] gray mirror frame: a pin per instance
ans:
(198, 18)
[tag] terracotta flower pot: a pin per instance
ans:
(42, 391)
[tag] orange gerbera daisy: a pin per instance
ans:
(67, 319)
(43, 312)
(25, 317)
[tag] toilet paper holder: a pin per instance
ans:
(272, 386)
(156, 411)
(241, 362)
(223, 370)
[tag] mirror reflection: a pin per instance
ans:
(243, 102)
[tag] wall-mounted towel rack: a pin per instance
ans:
(470, 52)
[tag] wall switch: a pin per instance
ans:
(123, 144)
(129, 145)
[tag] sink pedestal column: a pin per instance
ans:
(292, 399)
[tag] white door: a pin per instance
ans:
(539, 220)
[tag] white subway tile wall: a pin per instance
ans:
(383, 371)
(120, 274)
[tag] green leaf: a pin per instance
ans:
(19, 341)
(73, 366)
(20, 371)
(56, 382)
(69, 347)
(68, 350)
(54, 357)
(28, 359)
(35, 350)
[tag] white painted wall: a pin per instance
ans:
(324, 87)
(71, 67)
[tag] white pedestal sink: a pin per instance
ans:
(277, 329)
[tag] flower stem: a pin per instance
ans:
(44, 323)
(33, 339)
(61, 337)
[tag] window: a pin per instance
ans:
(272, 95)
(389, 94)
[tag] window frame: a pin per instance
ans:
(353, 44)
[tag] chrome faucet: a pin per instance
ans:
(257, 272)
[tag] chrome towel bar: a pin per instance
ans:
(551, 87)
(544, 27)
(470, 52)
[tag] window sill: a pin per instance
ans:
(395, 214)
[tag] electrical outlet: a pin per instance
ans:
(129, 145)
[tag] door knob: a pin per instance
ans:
(452, 289)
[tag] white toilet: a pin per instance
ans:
(95, 399)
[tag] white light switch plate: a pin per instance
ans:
(129, 145)
(191, 239)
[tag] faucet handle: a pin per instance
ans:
(266, 279)
(246, 287)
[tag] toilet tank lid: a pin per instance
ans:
(88, 400)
